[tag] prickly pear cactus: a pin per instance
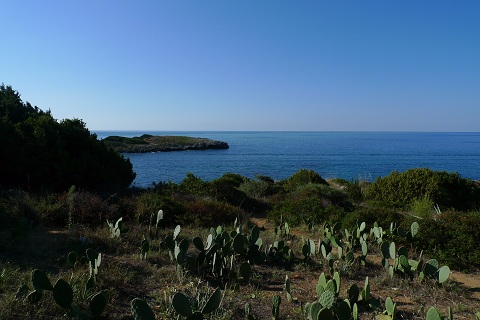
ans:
(443, 274)
(198, 243)
(213, 302)
(72, 258)
(35, 296)
(40, 280)
(181, 304)
(390, 307)
(288, 286)
(63, 294)
(433, 314)
(141, 310)
(353, 293)
(327, 299)
(98, 303)
(414, 228)
(245, 270)
(276, 300)
(325, 314)
(343, 310)
(176, 232)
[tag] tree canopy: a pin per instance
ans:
(40, 153)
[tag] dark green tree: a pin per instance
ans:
(41, 154)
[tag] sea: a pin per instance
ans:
(279, 154)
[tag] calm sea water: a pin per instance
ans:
(348, 155)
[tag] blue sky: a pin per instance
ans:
(247, 65)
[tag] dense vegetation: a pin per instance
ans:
(186, 250)
(40, 153)
(448, 190)
(331, 229)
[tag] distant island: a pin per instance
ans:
(150, 143)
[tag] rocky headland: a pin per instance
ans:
(150, 143)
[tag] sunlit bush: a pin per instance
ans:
(448, 190)
(302, 177)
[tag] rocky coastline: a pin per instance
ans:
(149, 143)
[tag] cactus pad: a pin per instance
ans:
(98, 303)
(181, 304)
(327, 299)
(213, 302)
(443, 274)
(141, 310)
(63, 294)
(433, 314)
(40, 280)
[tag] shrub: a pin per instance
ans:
(229, 180)
(298, 211)
(327, 194)
(355, 190)
(256, 188)
(90, 209)
(54, 209)
(209, 213)
(453, 238)
(225, 188)
(18, 207)
(448, 190)
(150, 202)
(194, 185)
(423, 207)
(370, 215)
(303, 177)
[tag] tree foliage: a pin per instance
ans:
(40, 153)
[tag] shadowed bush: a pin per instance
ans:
(150, 202)
(209, 213)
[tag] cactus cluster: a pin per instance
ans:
(117, 228)
(63, 294)
(154, 222)
(184, 306)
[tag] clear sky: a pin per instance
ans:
(247, 64)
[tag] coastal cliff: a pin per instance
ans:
(150, 143)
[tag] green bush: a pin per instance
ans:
(150, 202)
(383, 216)
(328, 195)
(448, 190)
(256, 188)
(54, 209)
(193, 185)
(90, 209)
(452, 237)
(49, 155)
(307, 210)
(423, 208)
(355, 190)
(225, 188)
(228, 189)
(302, 177)
(207, 212)
(18, 207)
